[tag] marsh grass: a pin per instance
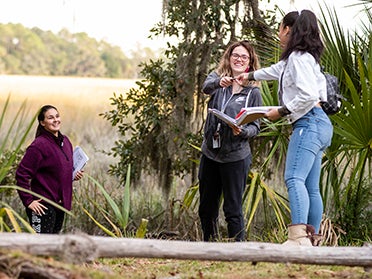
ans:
(79, 101)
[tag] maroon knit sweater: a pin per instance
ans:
(46, 169)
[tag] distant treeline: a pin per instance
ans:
(25, 51)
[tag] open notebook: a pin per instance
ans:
(246, 115)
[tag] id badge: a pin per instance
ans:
(216, 140)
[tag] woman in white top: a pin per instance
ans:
(302, 88)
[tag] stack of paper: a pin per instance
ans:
(80, 160)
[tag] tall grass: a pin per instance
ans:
(10, 148)
(79, 101)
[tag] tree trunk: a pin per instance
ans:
(84, 248)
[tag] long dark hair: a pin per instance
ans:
(289, 19)
(304, 36)
(41, 117)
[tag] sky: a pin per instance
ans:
(120, 22)
(124, 23)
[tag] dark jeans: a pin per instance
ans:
(50, 222)
(217, 179)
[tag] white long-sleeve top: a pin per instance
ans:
(303, 83)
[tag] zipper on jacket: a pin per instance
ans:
(61, 146)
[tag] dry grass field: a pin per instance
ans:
(79, 101)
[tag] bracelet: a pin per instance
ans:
(251, 76)
(283, 111)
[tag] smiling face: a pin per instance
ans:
(52, 121)
(239, 60)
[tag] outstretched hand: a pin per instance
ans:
(242, 79)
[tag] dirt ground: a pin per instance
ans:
(19, 265)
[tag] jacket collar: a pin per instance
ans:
(57, 139)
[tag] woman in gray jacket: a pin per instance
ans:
(226, 154)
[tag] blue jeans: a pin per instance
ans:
(311, 135)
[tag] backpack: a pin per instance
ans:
(334, 97)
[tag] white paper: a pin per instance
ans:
(80, 159)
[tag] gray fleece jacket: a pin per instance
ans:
(232, 148)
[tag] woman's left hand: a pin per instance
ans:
(79, 175)
(236, 130)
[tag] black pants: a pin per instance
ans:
(50, 222)
(227, 179)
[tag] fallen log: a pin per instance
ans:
(85, 248)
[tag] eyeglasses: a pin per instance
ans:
(243, 57)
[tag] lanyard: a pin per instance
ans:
(224, 104)
(223, 107)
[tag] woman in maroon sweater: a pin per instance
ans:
(46, 169)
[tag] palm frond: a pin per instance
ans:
(259, 192)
